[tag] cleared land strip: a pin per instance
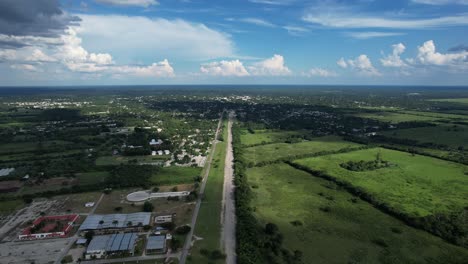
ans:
(228, 217)
(188, 240)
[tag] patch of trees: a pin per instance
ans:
(58, 114)
(363, 165)
(130, 176)
(451, 227)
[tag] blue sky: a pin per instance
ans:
(70, 42)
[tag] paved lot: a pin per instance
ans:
(38, 251)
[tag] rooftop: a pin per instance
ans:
(115, 221)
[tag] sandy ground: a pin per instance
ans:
(228, 214)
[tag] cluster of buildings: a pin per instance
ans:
(118, 234)
(49, 227)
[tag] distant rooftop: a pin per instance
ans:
(115, 221)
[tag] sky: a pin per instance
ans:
(125, 42)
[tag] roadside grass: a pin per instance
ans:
(336, 227)
(267, 136)
(175, 175)
(91, 178)
(208, 225)
(415, 185)
(449, 135)
(8, 207)
(271, 152)
(117, 160)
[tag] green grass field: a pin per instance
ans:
(175, 175)
(267, 136)
(414, 185)
(277, 151)
(449, 135)
(209, 217)
(452, 100)
(350, 232)
(394, 117)
(117, 160)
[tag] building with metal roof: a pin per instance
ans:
(115, 221)
(101, 246)
(156, 245)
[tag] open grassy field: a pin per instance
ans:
(267, 136)
(414, 185)
(337, 227)
(209, 217)
(438, 115)
(449, 135)
(175, 175)
(396, 117)
(117, 160)
(271, 152)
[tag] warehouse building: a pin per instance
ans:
(116, 222)
(156, 245)
(115, 244)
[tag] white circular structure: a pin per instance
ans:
(141, 196)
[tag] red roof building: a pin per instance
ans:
(49, 227)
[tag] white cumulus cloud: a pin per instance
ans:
(361, 64)
(394, 59)
(428, 55)
(273, 66)
(224, 68)
(135, 38)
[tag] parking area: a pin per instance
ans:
(37, 251)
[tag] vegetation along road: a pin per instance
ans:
(188, 241)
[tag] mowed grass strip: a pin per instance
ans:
(452, 136)
(175, 175)
(271, 152)
(208, 225)
(336, 226)
(92, 178)
(414, 185)
(267, 136)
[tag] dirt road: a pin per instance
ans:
(228, 214)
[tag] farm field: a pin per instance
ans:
(414, 185)
(271, 152)
(209, 217)
(268, 136)
(452, 136)
(175, 175)
(336, 226)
